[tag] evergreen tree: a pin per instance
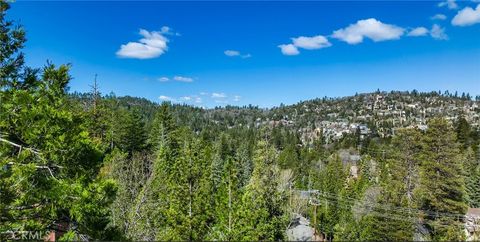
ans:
(262, 214)
(47, 156)
(463, 130)
(399, 179)
(130, 134)
(472, 168)
(11, 58)
(163, 124)
(330, 182)
(442, 184)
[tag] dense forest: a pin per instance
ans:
(93, 166)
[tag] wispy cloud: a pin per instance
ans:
(439, 17)
(419, 31)
(168, 31)
(152, 45)
(303, 42)
(199, 99)
(166, 98)
(234, 53)
(231, 53)
(437, 32)
(311, 43)
(217, 95)
(182, 79)
(451, 4)
(467, 16)
(176, 78)
(163, 79)
(289, 49)
(368, 28)
(191, 99)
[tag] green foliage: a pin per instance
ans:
(12, 40)
(331, 182)
(262, 214)
(125, 168)
(49, 163)
(472, 168)
(442, 183)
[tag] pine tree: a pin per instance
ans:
(130, 134)
(472, 168)
(49, 164)
(399, 179)
(330, 181)
(442, 184)
(262, 214)
(163, 124)
(463, 130)
(11, 58)
(150, 213)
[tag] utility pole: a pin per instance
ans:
(315, 203)
(230, 202)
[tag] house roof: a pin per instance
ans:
(474, 212)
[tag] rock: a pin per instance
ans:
(300, 230)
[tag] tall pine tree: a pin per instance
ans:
(442, 184)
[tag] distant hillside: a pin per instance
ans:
(370, 114)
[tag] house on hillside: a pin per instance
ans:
(472, 224)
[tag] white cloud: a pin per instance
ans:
(168, 31)
(185, 99)
(467, 16)
(311, 43)
(166, 98)
(439, 17)
(437, 32)
(176, 78)
(164, 79)
(183, 79)
(218, 95)
(198, 99)
(419, 31)
(233, 53)
(165, 30)
(152, 45)
(451, 4)
(369, 28)
(289, 49)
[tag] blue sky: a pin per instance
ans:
(261, 53)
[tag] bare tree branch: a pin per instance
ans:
(20, 146)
